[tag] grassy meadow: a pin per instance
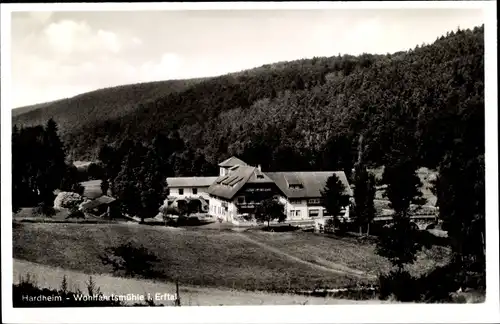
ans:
(208, 258)
(349, 252)
(204, 258)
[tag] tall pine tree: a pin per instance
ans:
(334, 197)
(364, 191)
(460, 189)
(400, 243)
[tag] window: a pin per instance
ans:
(298, 214)
(313, 212)
(195, 191)
(314, 201)
(241, 200)
(181, 191)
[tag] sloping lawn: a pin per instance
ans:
(345, 251)
(204, 258)
(92, 189)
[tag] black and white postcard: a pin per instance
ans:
(178, 162)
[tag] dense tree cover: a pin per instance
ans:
(403, 186)
(305, 114)
(135, 174)
(460, 189)
(39, 166)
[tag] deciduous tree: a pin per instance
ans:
(269, 210)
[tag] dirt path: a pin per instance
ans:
(321, 265)
(51, 277)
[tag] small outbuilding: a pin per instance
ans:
(101, 206)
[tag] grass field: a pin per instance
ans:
(92, 188)
(212, 258)
(349, 252)
(203, 258)
(51, 277)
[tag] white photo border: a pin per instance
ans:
(393, 313)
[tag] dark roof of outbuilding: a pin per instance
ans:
(103, 200)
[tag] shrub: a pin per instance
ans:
(437, 285)
(59, 298)
(76, 214)
(400, 284)
(131, 261)
(28, 287)
(68, 200)
(44, 209)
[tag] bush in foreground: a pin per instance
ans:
(131, 261)
(27, 294)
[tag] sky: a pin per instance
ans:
(58, 54)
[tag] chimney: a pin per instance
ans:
(259, 168)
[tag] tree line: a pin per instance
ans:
(39, 167)
(306, 114)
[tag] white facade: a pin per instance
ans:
(183, 192)
(304, 209)
(295, 209)
(222, 209)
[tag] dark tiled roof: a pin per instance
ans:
(259, 177)
(103, 200)
(232, 161)
(190, 181)
(227, 186)
(312, 182)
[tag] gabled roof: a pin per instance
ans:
(103, 200)
(312, 183)
(232, 161)
(180, 182)
(259, 177)
(228, 185)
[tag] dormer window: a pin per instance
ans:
(293, 182)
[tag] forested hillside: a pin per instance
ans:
(306, 114)
(98, 105)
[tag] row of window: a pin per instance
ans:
(312, 213)
(180, 191)
(312, 201)
(217, 210)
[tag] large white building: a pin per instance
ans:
(239, 188)
(182, 187)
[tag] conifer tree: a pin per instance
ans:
(334, 197)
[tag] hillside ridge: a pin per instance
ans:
(293, 115)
